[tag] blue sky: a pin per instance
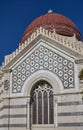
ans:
(16, 15)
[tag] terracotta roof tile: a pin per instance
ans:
(50, 21)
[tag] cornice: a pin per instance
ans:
(73, 47)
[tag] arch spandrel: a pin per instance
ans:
(43, 58)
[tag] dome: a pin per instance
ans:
(51, 21)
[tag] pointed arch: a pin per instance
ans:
(41, 112)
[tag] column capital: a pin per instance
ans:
(55, 98)
(28, 100)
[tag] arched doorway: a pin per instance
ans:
(41, 105)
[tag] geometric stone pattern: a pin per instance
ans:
(43, 59)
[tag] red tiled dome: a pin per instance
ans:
(51, 21)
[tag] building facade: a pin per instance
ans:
(41, 81)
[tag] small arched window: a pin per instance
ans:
(81, 74)
(42, 103)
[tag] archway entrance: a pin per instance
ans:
(41, 106)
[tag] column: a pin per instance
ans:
(55, 112)
(28, 114)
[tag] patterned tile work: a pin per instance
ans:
(43, 59)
